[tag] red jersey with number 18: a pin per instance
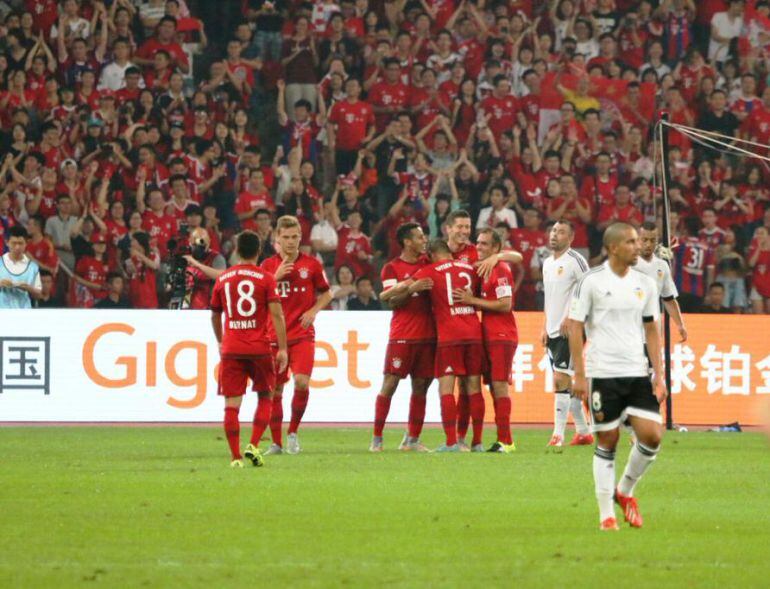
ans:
(498, 327)
(297, 291)
(243, 293)
(456, 323)
(412, 322)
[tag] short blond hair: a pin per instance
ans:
(287, 222)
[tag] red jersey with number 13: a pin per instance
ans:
(297, 291)
(456, 323)
(498, 327)
(243, 293)
(412, 322)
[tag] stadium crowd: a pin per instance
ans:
(139, 137)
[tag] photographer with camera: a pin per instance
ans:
(195, 267)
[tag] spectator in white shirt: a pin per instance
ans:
(74, 26)
(725, 26)
(491, 216)
(114, 74)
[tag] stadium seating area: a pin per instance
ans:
(127, 125)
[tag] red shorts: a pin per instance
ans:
(301, 359)
(499, 361)
(460, 360)
(234, 374)
(404, 359)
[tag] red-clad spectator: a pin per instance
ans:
(160, 226)
(425, 100)
(90, 279)
(354, 248)
(759, 262)
(140, 268)
(352, 125)
(389, 96)
(621, 210)
(254, 197)
(574, 208)
(731, 208)
(40, 247)
(500, 108)
(164, 39)
(711, 233)
(526, 240)
(599, 187)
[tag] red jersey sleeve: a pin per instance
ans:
(370, 116)
(334, 116)
(388, 276)
(503, 280)
(216, 298)
(319, 278)
(272, 294)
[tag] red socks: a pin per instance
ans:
(416, 415)
(503, 420)
(233, 431)
(261, 418)
(276, 419)
(476, 401)
(463, 415)
(381, 409)
(298, 406)
(449, 418)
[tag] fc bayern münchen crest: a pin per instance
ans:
(396, 362)
(303, 273)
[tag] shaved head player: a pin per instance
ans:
(618, 308)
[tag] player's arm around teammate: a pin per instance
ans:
(499, 332)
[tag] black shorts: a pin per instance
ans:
(558, 353)
(612, 400)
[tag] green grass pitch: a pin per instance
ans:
(160, 507)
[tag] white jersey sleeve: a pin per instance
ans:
(581, 300)
(651, 304)
(668, 289)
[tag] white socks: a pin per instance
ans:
(561, 401)
(604, 481)
(576, 408)
(639, 461)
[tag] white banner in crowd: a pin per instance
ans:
(80, 365)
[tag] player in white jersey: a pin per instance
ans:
(660, 271)
(618, 308)
(561, 272)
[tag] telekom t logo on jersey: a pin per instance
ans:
(282, 289)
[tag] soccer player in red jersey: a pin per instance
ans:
(458, 225)
(412, 344)
(500, 333)
(459, 351)
(245, 294)
(303, 289)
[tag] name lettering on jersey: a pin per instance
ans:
(241, 272)
(462, 310)
(242, 324)
(449, 264)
